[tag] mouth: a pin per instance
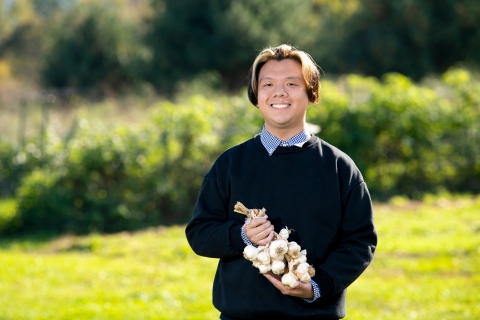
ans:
(280, 106)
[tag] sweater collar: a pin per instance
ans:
(271, 143)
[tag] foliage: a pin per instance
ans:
(92, 48)
(8, 213)
(15, 163)
(21, 39)
(407, 140)
(131, 177)
(219, 35)
(410, 37)
(112, 46)
(425, 267)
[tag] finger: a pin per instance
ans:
(270, 237)
(258, 221)
(253, 229)
(265, 234)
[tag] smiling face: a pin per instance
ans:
(282, 97)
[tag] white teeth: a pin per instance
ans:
(280, 106)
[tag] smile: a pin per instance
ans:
(280, 106)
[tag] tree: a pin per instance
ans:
(92, 48)
(410, 37)
(190, 37)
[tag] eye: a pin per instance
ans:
(291, 84)
(267, 85)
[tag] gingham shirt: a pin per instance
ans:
(271, 143)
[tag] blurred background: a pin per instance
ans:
(111, 112)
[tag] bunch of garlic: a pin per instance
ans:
(279, 256)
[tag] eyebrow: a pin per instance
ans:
(287, 78)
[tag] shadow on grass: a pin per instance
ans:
(29, 241)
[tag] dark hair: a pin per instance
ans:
(310, 72)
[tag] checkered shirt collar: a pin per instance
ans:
(271, 143)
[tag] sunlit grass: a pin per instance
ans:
(427, 263)
(148, 275)
(426, 267)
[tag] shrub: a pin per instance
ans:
(407, 139)
(16, 162)
(132, 177)
(8, 215)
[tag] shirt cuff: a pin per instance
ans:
(316, 292)
(245, 238)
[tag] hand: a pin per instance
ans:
(301, 290)
(259, 230)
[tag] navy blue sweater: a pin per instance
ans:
(316, 190)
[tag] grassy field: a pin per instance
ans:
(427, 266)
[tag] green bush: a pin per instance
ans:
(8, 215)
(16, 162)
(132, 177)
(407, 139)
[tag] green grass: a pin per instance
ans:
(427, 266)
(427, 263)
(148, 275)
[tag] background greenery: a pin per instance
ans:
(408, 139)
(111, 112)
(119, 45)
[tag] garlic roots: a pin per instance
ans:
(278, 256)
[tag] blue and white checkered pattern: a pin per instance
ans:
(245, 238)
(271, 143)
(316, 292)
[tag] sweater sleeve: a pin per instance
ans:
(210, 232)
(356, 247)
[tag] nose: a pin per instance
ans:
(279, 92)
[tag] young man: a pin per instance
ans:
(304, 183)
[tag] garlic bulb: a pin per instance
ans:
(264, 268)
(263, 257)
(304, 272)
(256, 263)
(278, 256)
(278, 267)
(289, 280)
(284, 233)
(305, 278)
(278, 248)
(302, 268)
(293, 249)
(302, 256)
(250, 252)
